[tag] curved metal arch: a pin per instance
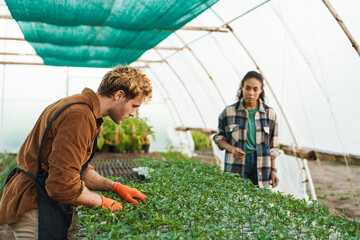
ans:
(166, 99)
(203, 67)
(186, 89)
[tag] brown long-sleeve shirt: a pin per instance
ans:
(68, 145)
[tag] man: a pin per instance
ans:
(53, 172)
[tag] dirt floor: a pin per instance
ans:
(332, 184)
(334, 188)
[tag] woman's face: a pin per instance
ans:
(251, 91)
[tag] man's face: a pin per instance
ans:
(124, 108)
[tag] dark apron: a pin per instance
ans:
(54, 217)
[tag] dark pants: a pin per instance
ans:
(250, 171)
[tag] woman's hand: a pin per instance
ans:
(274, 178)
(238, 153)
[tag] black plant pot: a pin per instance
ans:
(146, 147)
(113, 149)
(105, 149)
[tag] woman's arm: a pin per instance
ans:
(238, 153)
(274, 152)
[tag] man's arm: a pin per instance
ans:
(88, 199)
(96, 182)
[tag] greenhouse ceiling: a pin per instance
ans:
(101, 33)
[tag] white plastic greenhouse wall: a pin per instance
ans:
(312, 77)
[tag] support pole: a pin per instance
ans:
(342, 25)
(18, 54)
(197, 28)
(19, 63)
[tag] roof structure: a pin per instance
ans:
(195, 53)
(100, 33)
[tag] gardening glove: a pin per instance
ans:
(110, 203)
(128, 193)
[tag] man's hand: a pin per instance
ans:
(274, 178)
(238, 153)
(110, 203)
(128, 193)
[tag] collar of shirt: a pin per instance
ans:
(95, 103)
(240, 106)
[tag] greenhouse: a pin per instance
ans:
(195, 55)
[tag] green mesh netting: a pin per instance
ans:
(100, 33)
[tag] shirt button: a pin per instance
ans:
(259, 173)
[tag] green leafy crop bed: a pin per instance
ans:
(187, 200)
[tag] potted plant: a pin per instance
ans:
(146, 131)
(130, 136)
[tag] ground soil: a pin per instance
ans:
(332, 183)
(337, 186)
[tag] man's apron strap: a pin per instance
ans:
(12, 173)
(48, 128)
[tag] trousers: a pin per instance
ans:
(27, 226)
(250, 171)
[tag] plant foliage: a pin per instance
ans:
(201, 140)
(8, 162)
(126, 137)
(187, 200)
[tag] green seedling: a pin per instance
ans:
(187, 200)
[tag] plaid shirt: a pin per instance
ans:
(232, 129)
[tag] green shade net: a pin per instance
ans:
(100, 33)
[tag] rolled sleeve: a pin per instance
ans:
(274, 141)
(71, 148)
(221, 130)
(86, 172)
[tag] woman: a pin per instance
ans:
(248, 131)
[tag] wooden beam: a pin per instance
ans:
(342, 25)
(190, 28)
(5, 17)
(149, 61)
(302, 153)
(203, 130)
(17, 54)
(12, 39)
(338, 158)
(155, 48)
(313, 154)
(168, 48)
(20, 63)
(197, 28)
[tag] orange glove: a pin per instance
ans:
(128, 193)
(110, 203)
